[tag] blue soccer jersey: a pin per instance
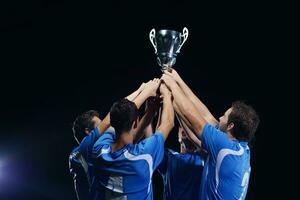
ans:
(227, 168)
(181, 174)
(80, 164)
(81, 181)
(127, 172)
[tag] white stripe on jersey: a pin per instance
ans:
(146, 157)
(221, 156)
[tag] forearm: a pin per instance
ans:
(191, 135)
(197, 102)
(188, 110)
(167, 117)
(144, 126)
(104, 124)
(140, 99)
(159, 118)
(180, 115)
(148, 130)
(133, 95)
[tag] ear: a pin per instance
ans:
(230, 126)
(86, 131)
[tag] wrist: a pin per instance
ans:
(146, 94)
(167, 96)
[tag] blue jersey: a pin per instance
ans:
(181, 174)
(80, 156)
(227, 168)
(81, 181)
(127, 172)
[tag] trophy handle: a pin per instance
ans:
(151, 37)
(185, 35)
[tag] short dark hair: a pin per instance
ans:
(122, 115)
(245, 120)
(82, 122)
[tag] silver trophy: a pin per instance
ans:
(167, 44)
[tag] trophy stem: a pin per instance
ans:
(166, 68)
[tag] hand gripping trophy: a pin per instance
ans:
(167, 44)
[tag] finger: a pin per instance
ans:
(168, 73)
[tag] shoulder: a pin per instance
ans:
(89, 140)
(106, 139)
(212, 135)
(237, 148)
(148, 145)
(194, 159)
(74, 163)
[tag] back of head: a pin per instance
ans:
(123, 114)
(245, 120)
(83, 123)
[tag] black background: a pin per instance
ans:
(60, 58)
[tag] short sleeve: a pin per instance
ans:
(107, 138)
(87, 143)
(154, 146)
(213, 140)
(111, 130)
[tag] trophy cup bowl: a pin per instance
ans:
(167, 44)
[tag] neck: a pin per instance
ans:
(125, 138)
(230, 136)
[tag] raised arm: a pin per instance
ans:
(190, 134)
(145, 124)
(187, 108)
(158, 118)
(194, 99)
(145, 91)
(148, 91)
(133, 95)
(184, 123)
(104, 124)
(167, 113)
(179, 115)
